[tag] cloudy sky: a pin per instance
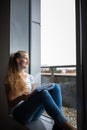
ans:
(58, 36)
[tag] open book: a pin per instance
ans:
(44, 87)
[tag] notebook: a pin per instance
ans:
(44, 87)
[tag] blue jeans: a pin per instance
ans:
(32, 109)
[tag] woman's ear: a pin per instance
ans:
(17, 60)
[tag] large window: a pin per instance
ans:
(58, 50)
(58, 43)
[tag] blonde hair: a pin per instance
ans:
(13, 81)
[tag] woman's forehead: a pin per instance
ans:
(24, 55)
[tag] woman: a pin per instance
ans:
(25, 102)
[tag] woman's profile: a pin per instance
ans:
(25, 102)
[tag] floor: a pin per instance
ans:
(43, 123)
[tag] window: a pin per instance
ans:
(58, 48)
(58, 42)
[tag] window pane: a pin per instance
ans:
(58, 42)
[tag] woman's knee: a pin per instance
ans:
(44, 92)
(57, 87)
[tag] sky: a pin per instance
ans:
(58, 34)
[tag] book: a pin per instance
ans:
(44, 87)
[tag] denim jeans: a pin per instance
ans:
(32, 109)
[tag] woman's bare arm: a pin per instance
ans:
(12, 99)
(15, 101)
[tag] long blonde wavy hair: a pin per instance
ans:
(13, 82)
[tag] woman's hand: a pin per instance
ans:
(26, 95)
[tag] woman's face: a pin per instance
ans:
(23, 62)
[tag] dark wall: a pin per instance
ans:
(81, 43)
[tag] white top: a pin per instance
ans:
(29, 81)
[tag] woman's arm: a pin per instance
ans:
(12, 99)
(15, 101)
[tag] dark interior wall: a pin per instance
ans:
(81, 43)
(84, 57)
(4, 52)
(5, 122)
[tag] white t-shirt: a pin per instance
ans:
(29, 81)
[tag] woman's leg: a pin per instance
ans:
(28, 109)
(25, 111)
(37, 114)
(56, 95)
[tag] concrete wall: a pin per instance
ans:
(68, 88)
